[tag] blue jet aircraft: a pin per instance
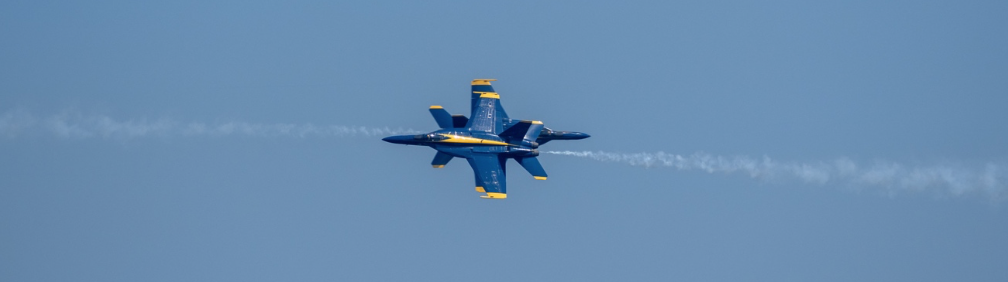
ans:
(487, 140)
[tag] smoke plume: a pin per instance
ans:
(20, 122)
(943, 179)
(988, 179)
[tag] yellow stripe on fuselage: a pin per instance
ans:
(470, 140)
(488, 95)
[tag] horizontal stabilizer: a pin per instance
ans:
(531, 164)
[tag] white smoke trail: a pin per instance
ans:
(956, 180)
(19, 122)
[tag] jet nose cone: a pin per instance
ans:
(400, 139)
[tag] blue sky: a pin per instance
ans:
(104, 177)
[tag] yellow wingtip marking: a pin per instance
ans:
(480, 189)
(540, 177)
(493, 195)
(436, 107)
(438, 166)
(489, 95)
(482, 81)
(536, 122)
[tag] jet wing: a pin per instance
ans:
(481, 86)
(486, 118)
(489, 170)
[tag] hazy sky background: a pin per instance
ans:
(221, 141)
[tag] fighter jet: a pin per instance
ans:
(487, 140)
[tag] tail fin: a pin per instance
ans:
(524, 133)
(531, 164)
(533, 132)
(443, 118)
(440, 160)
